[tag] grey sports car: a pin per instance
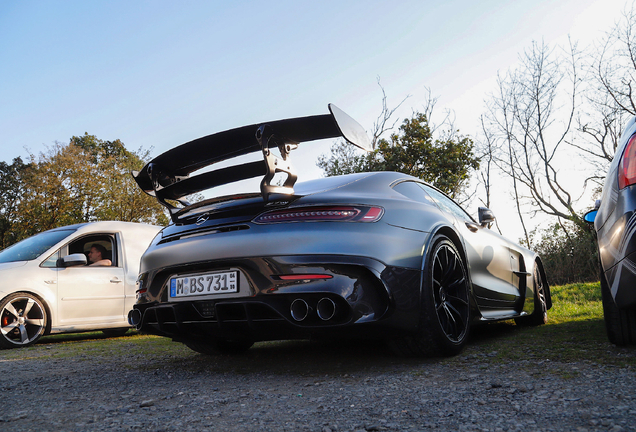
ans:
(377, 255)
(615, 223)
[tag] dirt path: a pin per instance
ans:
(150, 385)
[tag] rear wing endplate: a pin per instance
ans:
(167, 177)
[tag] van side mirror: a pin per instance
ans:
(486, 216)
(73, 260)
(590, 216)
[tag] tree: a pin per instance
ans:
(120, 197)
(532, 118)
(568, 253)
(83, 181)
(10, 197)
(446, 161)
(610, 97)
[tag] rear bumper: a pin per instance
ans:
(363, 298)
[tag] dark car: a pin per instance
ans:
(377, 255)
(615, 224)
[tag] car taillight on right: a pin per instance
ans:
(627, 166)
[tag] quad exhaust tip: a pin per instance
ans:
(326, 309)
(299, 309)
(134, 317)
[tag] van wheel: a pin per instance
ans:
(23, 320)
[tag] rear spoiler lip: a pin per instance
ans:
(166, 177)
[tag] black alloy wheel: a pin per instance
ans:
(23, 320)
(450, 294)
(445, 306)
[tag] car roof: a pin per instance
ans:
(108, 226)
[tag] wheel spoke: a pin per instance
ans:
(450, 268)
(451, 323)
(28, 307)
(35, 321)
(5, 330)
(9, 308)
(452, 299)
(458, 283)
(455, 312)
(440, 273)
(436, 283)
(24, 336)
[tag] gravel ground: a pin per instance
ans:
(122, 384)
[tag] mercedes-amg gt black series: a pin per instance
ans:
(615, 224)
(380, 255)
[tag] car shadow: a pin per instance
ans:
(504, 340)
(72, 337)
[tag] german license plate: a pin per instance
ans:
(204, 284)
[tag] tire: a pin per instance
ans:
(620, 324)
(115, 332)
(220, 346)
(540, 314)
(445, 313)
(23, 320)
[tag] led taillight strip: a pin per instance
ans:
(315, 214)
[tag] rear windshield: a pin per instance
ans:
(32, 247)
(327, 183)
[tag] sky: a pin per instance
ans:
(156, 74)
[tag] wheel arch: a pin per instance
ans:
(452, 235)
(449, 232)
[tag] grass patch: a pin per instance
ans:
(576, 302)
(575, 332)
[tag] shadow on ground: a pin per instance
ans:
(502, 342)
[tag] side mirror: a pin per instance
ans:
(486, 216)
(590, 216)
(73, 260)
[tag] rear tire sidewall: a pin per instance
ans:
(430, 324)
(620, 324)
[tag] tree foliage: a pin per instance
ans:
(86, 180)
(568, 252)
(445, 162)
(11, 191)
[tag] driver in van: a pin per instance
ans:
(97, 254)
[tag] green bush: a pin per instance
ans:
(568, 256)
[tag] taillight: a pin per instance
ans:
(141, 289)
(317, 214)
(627, 166)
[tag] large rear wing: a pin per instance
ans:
(167, 177)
